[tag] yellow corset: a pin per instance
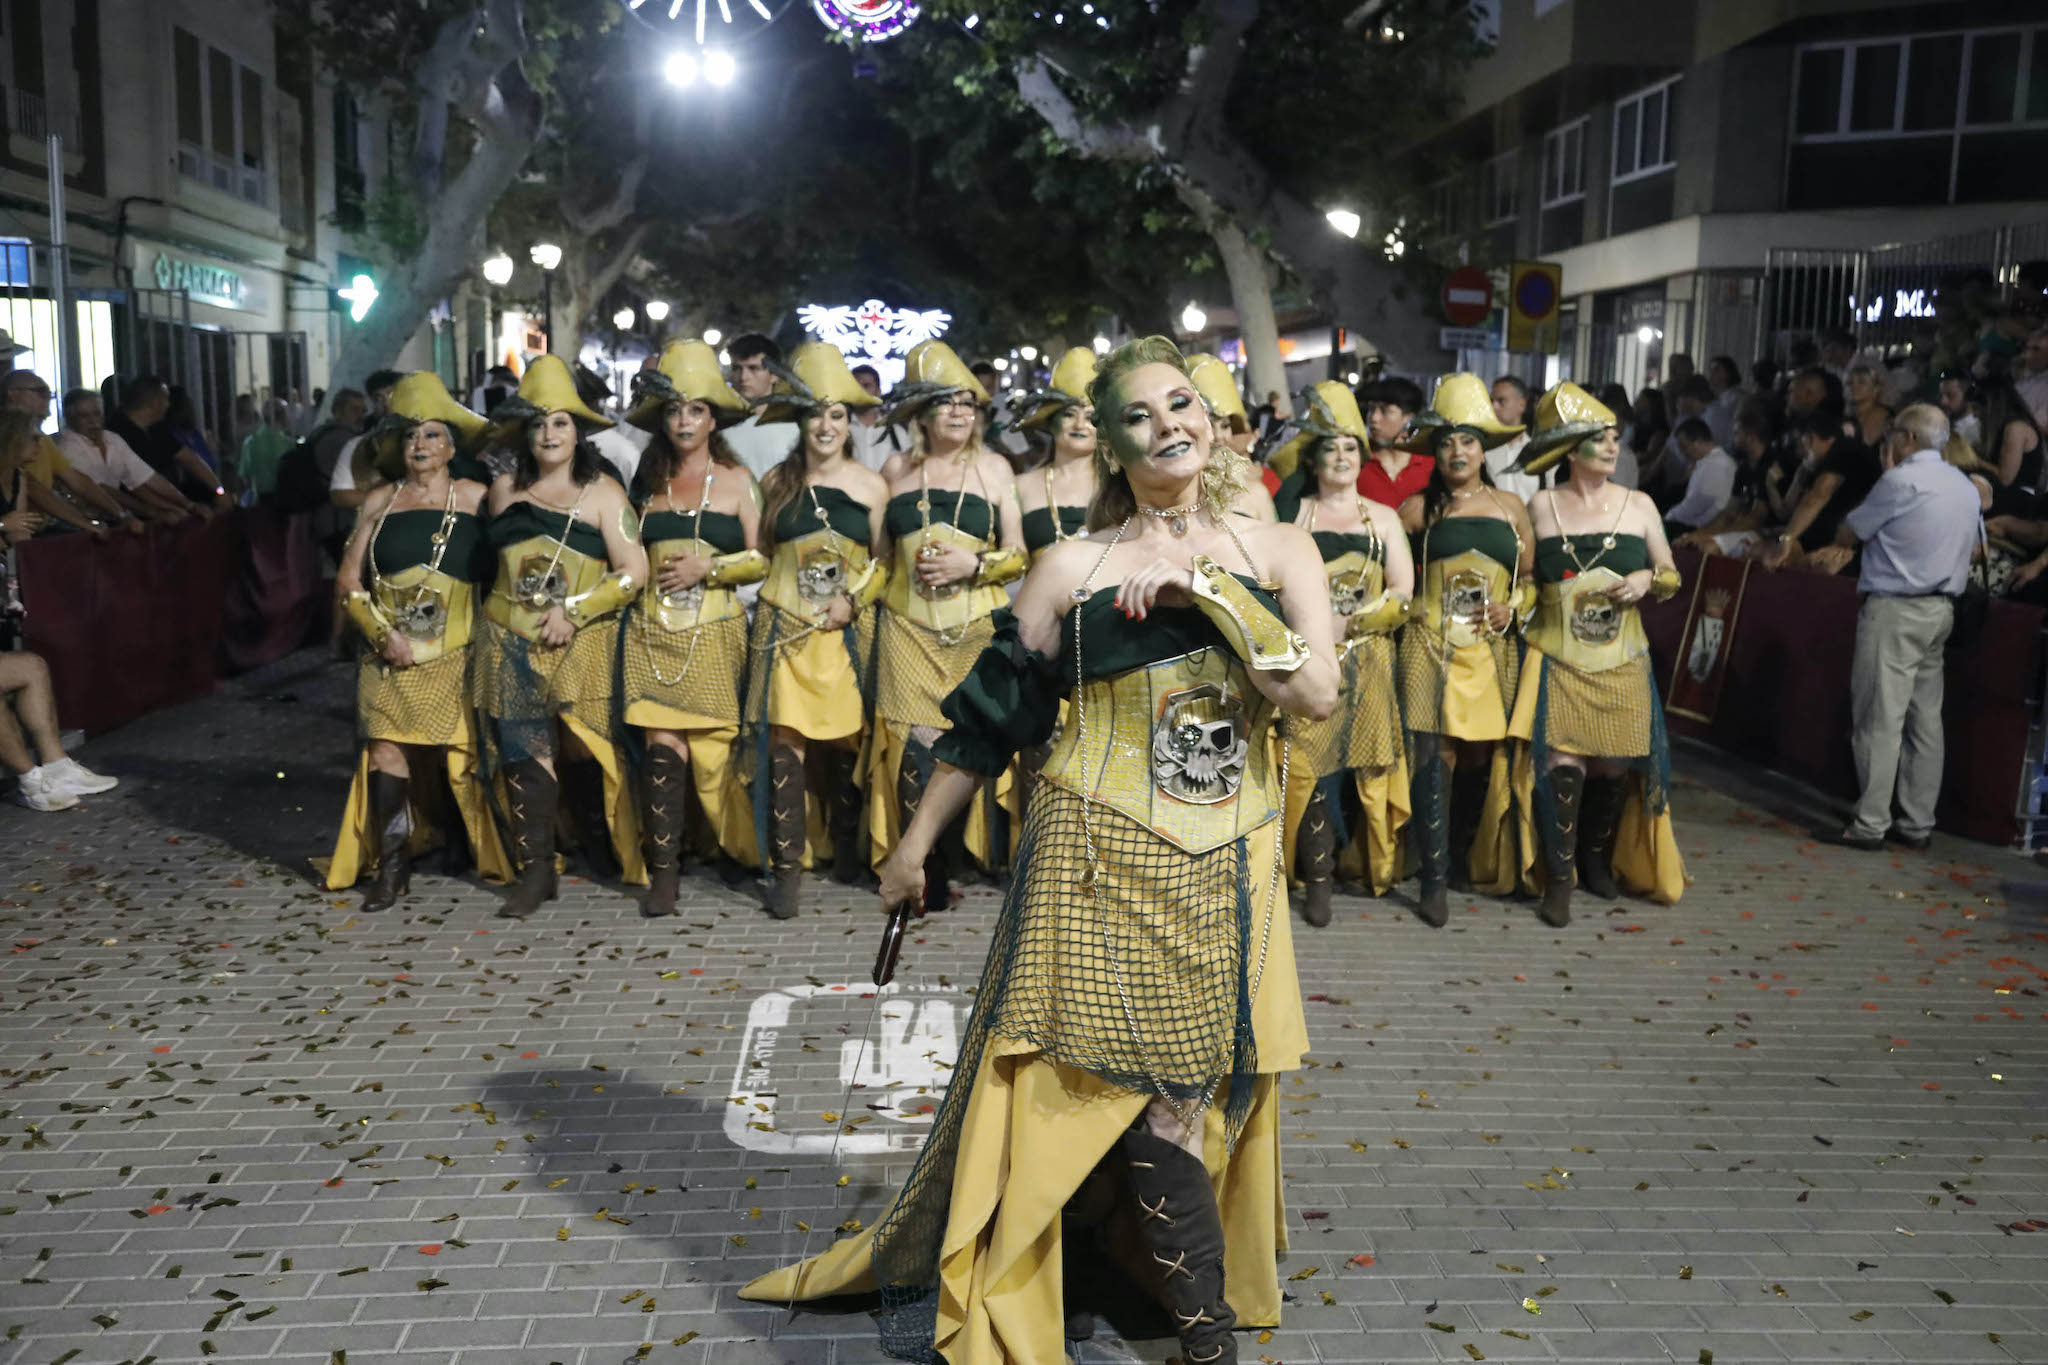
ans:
(692, 607)
(1579, 625)
(949, 607)
(805, 574)
(434, 612)
(1180, 746)
(527, 590)
(1456, 593)
(1356, 580)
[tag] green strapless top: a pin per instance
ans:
(525, 520)
(1038, 526)
(721, 530)
(1453, 536)
(1337, 544)
(843, 514)
(407, 538)
(1554, 564)
(968, 511)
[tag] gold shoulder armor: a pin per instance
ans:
(1259, 637)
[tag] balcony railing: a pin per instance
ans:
(29, 116)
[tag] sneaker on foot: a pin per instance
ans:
(78, 779)
(38, 790)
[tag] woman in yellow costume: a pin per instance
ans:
(683, 651)
(1596, 764)
(1458, 659)
(1055, 496)
(569, 557)
(1347, 790)
(1139, 999)
(821, 524)
(1218, 387)
(957, 536)
(408, 578)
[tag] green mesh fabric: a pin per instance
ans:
(1655, 766)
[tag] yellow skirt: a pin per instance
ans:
(424, 704)
(1363, 739)
(1597, 715)
(1458, 693)
(804, 679)
(689, 682)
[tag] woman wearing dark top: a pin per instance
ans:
(1648, 434)
(1055, 496)
(2012, 443)
(1841, 472)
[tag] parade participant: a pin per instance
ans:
(807, 694)
(1055, 498)
(1596, 776)
(569, 557)
(408, 579)
(1140, 997)
(1457, 661)
(957, 537)
(1218, 387)
(1348, 784)
(684, 652)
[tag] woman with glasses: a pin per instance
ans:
(957, 536)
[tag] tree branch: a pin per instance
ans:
(625, 191)
(458, 77)
(1121, 142)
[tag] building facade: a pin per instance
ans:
(1717, 176)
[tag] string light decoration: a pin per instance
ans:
(874, 333)
(705, 12)
(867, 21)
(725, 21)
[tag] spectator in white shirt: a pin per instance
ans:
(1711, 484)
(759, 447)
(1510, 397)
(110, 462)
(621, 444)
(354, 475)
(874, 440)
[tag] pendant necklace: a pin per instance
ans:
(1176, 518)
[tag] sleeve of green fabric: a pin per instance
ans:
(1010, 700)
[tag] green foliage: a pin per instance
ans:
(395, 220)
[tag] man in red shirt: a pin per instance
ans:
(1393, 472)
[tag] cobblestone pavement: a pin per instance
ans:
(1798, 1117)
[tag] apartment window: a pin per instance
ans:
(1500, 189)
(1564, 164)
(351, 135)
(1642, 132)
(1925, 117)
(220, 119)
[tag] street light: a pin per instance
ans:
(1001, 364)
(712, 336)
(623, 319)
(720, 68)
(498, 270)
(1345, 221)
(1193, 319)
(656, 309)
(1029, 353)
(547, 256)
(1101, 344)
(680, 69)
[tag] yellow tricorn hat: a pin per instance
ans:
(1328, 409)
(687, 371)
(930, 372)
(547, 386)
(1565, 416)
(419, 397)
(1068, 388)
(816, 377)
(1218, 387)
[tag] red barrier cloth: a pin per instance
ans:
(133, 624)
(1785, 703)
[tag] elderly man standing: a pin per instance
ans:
(1918, 529)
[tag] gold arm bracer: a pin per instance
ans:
(866, 586)
(1382, 616)
(613, 591)
(1522, 602)
(1000, 565)
(1665, 583)
(369, 618)
(1260, 638)
(743, 566)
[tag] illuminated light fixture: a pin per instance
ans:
(712, 336)
(1029, 353)
(1345, 221)
(1394, 246)
(720, 68)
(1647, 334)
(870, 21)
(656, 310)
(973, 23)
(498, 270)
(623, 319)
(1351, 378)
(546, 255)
(361, 293)
(1101, 344)
(725, 357)
(1001, 363)
(1193, 319)
(874, 333)
(680, 70)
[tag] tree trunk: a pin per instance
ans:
(1251, 292)
(588, 273)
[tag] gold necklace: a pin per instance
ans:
(1606, 541)
(539, 599)
(1176, 518)
(930, 549)
(697, 617)
(1052, 509)
(1375, 551)
(439, 541)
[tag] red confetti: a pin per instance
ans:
(431, 1249)
(1929, 1085)
(1364, 1259)
(166, 1047)
(333, 1184)
(529, 1056)
(159, 1208)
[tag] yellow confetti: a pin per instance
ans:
(1304, 1274)
(1473, 1351)
(1531, 1306)
(684, 1340)
(1265, 1338)
(844, 1181)
(1329, 1299)
(1865, 1316)
(561, 1234)
(1511, 1269)
(1685, 1272)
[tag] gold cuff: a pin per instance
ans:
(1522, 602)
(369, 618)
(1665, 583)
(866, 587)
(1259, 637)
(1382, 616)
(613, 591)
(999, 566)
(744, 566)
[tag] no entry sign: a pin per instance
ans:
(1468, 296)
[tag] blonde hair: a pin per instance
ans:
(1223, 477)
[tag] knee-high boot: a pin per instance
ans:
(393, 829)
(1560, 829)
(1316, 854)
(843, 811)
(1468, 800)
(785, 829)
(583, 788)
(664, 785)
(1183, 1232)
(1599, 823)
(1432, 839)
(530, 793)
(911, 776)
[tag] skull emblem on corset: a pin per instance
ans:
(539, 585)
(932, 549)
(1347, 598)
(686, 599)
(820, 578)
(1596, 620)
(1465, 596)
(1199, 745)
(422, 618)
